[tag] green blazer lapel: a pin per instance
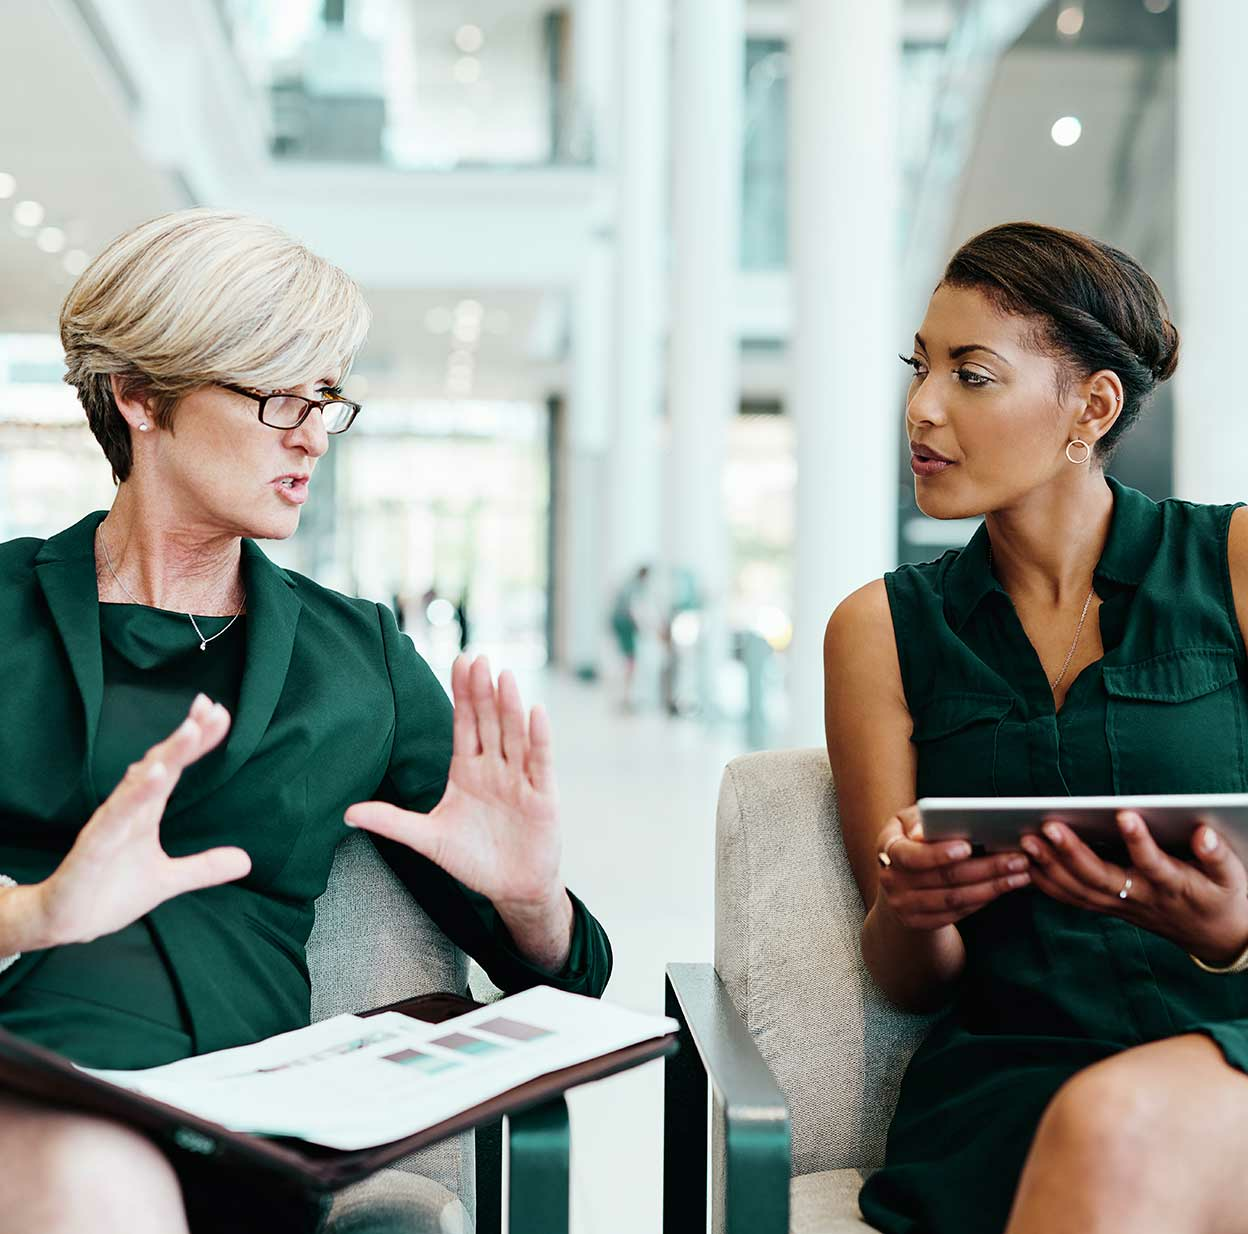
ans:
(273, 608)
(65, 569)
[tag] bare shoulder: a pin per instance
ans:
(859, 642)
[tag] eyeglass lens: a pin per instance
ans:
(285, 412)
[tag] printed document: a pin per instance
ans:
(355, 1082)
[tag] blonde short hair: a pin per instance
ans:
(201, 297)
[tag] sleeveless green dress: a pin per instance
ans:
(1049, 989)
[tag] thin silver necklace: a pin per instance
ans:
(203, 642)
(1070, 655)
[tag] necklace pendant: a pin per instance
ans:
(203, 646)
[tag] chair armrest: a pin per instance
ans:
(757, 1162)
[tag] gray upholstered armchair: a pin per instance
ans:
(372, 945)
(802, 1053)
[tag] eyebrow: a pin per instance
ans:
(956, 353)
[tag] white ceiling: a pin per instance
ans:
(66, 134)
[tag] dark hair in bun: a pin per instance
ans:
(1098, 307)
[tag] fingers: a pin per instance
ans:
(1217, 859)
(466, 741)
(920, 855)
(481, 691)
(1159, 868)
(405, 827)
(511, 719)
(203, 729)
(958, 873)
(541, 763)
(930, 908)
(1064, 864)
(217, 865)
(153, 777)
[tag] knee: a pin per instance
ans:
(76, 1172)
(1104, 1114)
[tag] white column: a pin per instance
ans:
(593, 35)
(633, 482)
(845, 232)
(1210, 429)
(708, 83)
(580, 584)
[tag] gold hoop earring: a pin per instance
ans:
(1087, 451)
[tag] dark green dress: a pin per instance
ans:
(1049, 989)
(331, 705)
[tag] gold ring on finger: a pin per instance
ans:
(882, 856)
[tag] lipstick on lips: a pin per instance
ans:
(293, 487)
(925, 462)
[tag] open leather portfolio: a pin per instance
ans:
(327, 1105)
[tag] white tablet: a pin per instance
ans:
(996, 823)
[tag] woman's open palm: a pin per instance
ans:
(117, 870)
(496, 828)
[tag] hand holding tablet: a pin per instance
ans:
(997, 824)
(1193, 895)
(928, 886)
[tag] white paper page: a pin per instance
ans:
(354, 1082)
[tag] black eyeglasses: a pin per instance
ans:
(287, 411)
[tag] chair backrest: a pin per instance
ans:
(372, 944)
(787, 919)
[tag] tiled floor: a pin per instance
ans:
(638, 802)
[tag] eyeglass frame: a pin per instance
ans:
(320, 403)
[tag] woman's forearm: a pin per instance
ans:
(542, 931)
(916, 969)
(23, 922)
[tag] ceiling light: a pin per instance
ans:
(438, 320)
(8, 185)
(1066, 131)
(1070, 20)
(1157, 6)
(467, 70)
(51, 239)
(75, 261)
(467, 331)
(469, 39)
(28, 214)
(469, 310)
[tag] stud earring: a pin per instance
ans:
(144, 427)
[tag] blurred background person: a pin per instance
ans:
(639, 272)
(634, 621)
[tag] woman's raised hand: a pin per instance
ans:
(496, 828)
(1202, 905)
(927, 886)
(117, 870)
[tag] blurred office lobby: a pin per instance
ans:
(639, 270)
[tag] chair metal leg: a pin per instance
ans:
(538, 1146)
(489, 1155)
(684, 1132)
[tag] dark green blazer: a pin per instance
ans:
(335, 707)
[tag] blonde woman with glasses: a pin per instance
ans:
(189, 728)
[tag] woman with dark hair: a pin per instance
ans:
(1087, 1070)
